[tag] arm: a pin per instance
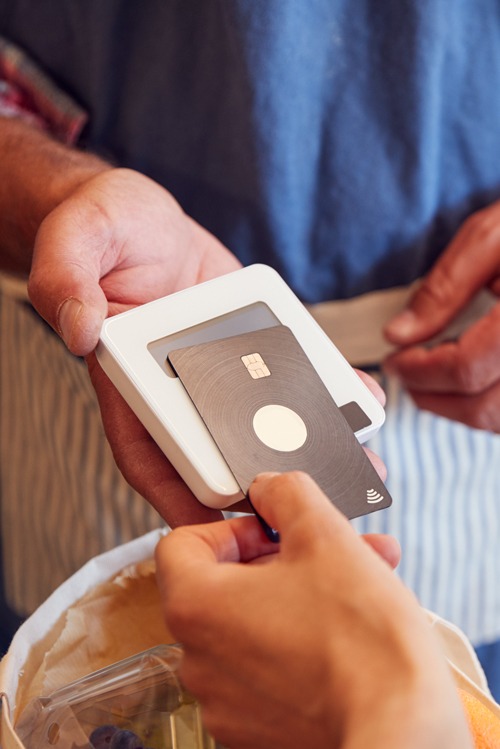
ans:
(321, 646)
(37, 173)
(105, 240)
(457, 379)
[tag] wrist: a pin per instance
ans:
(38, 173)
(71, 171)
(402, 695)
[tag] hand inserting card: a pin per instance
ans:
(268, 410)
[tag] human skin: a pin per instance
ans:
(315, 644)
(142, 247)
(457, 379)
(105, 240)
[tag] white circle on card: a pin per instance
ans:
(279, 427)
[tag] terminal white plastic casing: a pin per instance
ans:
(163, 405)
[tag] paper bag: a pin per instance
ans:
(110, 610)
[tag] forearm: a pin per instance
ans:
(412, 722)
(407, 694)
(36, 174)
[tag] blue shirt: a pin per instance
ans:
(341, 141)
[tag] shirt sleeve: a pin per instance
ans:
(28, 93)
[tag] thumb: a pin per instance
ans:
(432, 307)
(64, 280)
(303, 515)
(453, 281)
(295, 506)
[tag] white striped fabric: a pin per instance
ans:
(63, 501)
(444, 477)
(445, 482)
(62, 498)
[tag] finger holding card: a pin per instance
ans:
(267, 409)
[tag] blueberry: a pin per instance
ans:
(101, 736)
(125, 740)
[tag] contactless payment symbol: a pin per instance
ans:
(373, 497)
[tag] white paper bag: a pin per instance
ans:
(109, 610)
(106, 611)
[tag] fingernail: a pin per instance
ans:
(67, 317)
(403, 325)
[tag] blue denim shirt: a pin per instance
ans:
(341, 141)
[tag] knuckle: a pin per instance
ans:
(483, 226)
(95, 219)
(470, 374)
(283, 483)
(437, 288)
(294, 477)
